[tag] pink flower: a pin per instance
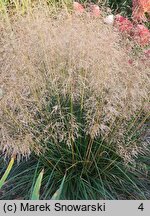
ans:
(139, 8)
(124, 25)
(78, 7)
(95, 10)
(141, 35)
(119, 18)
(130, 61)
(147, 53)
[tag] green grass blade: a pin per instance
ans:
(57, 194)
(4, 177)
(37, 186)
(34, 179)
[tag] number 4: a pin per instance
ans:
(141, 207)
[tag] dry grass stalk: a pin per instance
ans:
(46, 62)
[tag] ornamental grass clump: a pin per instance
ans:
(71, 98)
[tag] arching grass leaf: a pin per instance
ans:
(37, 186)
(4, 177)
(57, 194)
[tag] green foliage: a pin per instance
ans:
(121, 6)
(104, 176)
(35, 192)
